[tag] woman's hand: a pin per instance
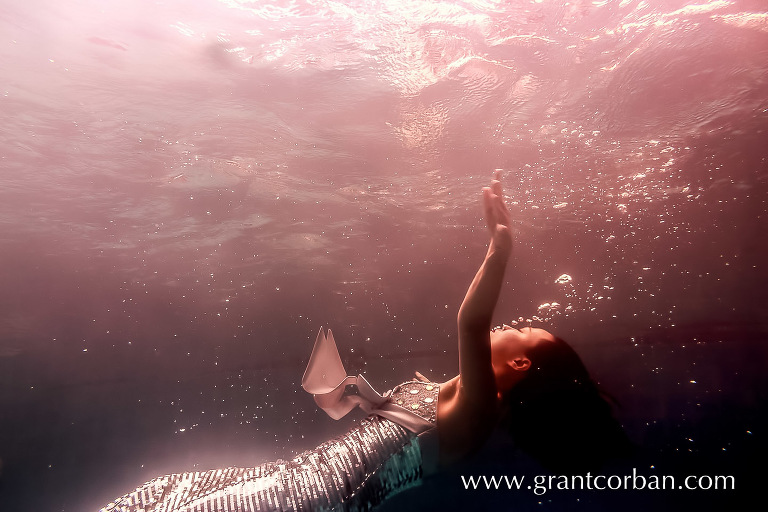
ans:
(497, 215)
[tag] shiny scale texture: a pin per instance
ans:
(353, 472)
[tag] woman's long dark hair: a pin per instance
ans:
(557, 414)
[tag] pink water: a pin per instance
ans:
(189, 190)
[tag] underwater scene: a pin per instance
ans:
(191, 189)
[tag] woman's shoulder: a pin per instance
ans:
(463, 424)
(458, 410)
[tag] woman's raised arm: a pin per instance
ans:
(476, 311)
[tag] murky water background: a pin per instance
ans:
(189, 190)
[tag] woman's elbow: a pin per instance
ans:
(471, 321)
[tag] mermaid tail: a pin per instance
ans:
(352, 473)
(326, 378)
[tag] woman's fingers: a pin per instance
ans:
(496, 211)
(496, 187)
(488, 208)
(499, 193)
(497, 215)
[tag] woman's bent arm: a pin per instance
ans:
(476, 311)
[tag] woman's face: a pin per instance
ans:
(509, 349)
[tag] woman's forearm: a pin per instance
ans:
(476, 310)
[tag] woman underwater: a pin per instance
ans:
(528, 381)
